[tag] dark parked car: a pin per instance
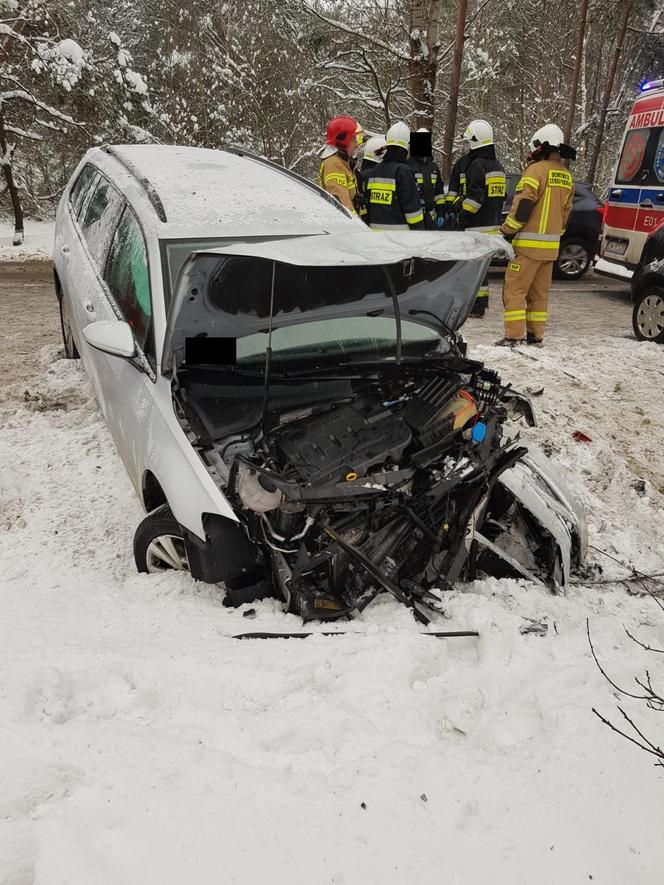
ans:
(580, 241)
(648, 291)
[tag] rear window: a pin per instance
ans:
(80, 187)
(642, 158)
(101, 215)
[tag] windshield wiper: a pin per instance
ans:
(363, 367)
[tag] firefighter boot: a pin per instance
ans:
(508, 342)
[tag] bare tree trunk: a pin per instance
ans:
(423, 64)
(5, 153)
(453, 101)
(592, 170)
(580, 37)
(6, 160)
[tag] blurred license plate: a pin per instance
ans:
(616, 246)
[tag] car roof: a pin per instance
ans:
(208, 193)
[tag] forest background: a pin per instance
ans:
(266, 75)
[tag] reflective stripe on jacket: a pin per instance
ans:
(546, 186)
(457, 185)
(337, 178)
(430, 186)
(484, 191)
(393, 197)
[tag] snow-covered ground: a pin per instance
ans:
(140, 744)
(38, 244)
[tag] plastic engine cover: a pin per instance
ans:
(350, 439)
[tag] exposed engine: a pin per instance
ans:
(378, 488)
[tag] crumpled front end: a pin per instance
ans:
(408, 489)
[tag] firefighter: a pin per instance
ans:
(372, 153)
(394, 201)
(428, 178)
(336, 175)
(478, 189)
(537, 218)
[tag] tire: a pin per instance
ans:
(159, 543)
(573, 260)
(71, 352)
(648, 314)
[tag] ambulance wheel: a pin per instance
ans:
(648, 315)
(573, 260)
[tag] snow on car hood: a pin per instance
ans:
(225, 291)
(365, 247)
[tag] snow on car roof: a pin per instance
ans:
(202, 189)
(365, 247)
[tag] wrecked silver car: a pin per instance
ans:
(323, 382)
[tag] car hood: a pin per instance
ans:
(463, 259)
(365, 247)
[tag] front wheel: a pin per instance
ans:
(648, 315)
(573, 260)
(159, 543)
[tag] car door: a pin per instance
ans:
(97, 217)
(68, 253)
(126, 386)
(621, 240)
(650, 215)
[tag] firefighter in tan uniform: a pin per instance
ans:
(336, 175)
(537, 218)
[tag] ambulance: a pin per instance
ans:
(635, 200)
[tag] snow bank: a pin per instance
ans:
(38, 245)
(141, 744)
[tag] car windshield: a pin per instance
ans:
(319, 314)
(338, 337)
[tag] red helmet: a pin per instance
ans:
(340, 132)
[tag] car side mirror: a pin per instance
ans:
(114, 337)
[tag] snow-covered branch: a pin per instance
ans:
(23, 95)
(358, 35)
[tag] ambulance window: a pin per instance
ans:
(632, 163)
(658, 161)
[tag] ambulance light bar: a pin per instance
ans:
(652, 84)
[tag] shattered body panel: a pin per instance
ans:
(360, 449)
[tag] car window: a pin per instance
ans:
(99, 218)
(128, 279)
(80, 187)
(658, 158)
(642, 158)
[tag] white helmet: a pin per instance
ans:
(399, 135)
(549, 134)
(479, 134)
(374, 147)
